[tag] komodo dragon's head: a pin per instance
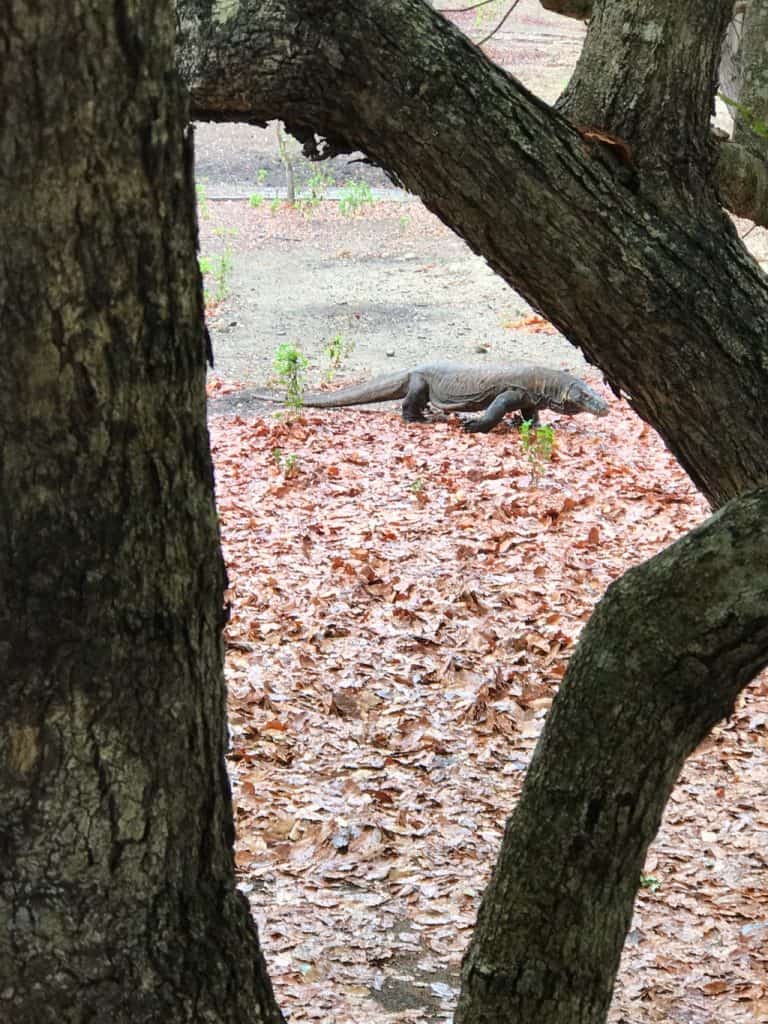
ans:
(579, 398)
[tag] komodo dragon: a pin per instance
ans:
(456, 387)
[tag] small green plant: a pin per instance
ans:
(491, 9)
(202, 199)
(275, 205)
(287, 464)
(317, 185)
(650, 882)
(205, 263)
(538, 444)
(336, 351)
(417, 485)
(403, 222)
(256, 198)
(290, 367)
(222, 267)
(354, 197)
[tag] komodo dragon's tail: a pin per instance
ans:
(380, 389)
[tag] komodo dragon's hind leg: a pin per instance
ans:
(416, 400)
(508, 401)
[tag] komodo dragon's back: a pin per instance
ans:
(455, 387)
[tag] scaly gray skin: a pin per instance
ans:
(454, 387)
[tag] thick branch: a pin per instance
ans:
(656, 95)
(660, 662)
(665, 302)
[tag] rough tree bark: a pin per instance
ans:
(741, 172)
(627, 250)
(117, 898)
(116, 895)
(753, 91)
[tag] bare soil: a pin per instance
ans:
(392, 282)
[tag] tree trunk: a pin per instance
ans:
(563, 218)
(660, 662)
(117, 897)
(751, 122)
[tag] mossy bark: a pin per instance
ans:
(751, 117)
(117, 897)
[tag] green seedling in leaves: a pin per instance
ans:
(275, 205)
(417, 485)
(538, 444)
(336, 351)
(354, 197)
(286, 464)
(650, 882)
(290, 367)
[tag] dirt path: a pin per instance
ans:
(393, 283)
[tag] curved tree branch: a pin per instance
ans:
(662, 659)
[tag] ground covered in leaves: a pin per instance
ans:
(404, 602)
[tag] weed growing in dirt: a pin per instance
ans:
(417, 486)
(275, 205)
(223, 263)
(256, 198)
(403, 222)
(538, 444)
(290, 368)
(318, 185)
(202, 199)
(354, 197)
(336, 351)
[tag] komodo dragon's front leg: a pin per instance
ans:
(508, 401)
(416, 400)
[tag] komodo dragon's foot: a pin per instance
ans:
(476, 426)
